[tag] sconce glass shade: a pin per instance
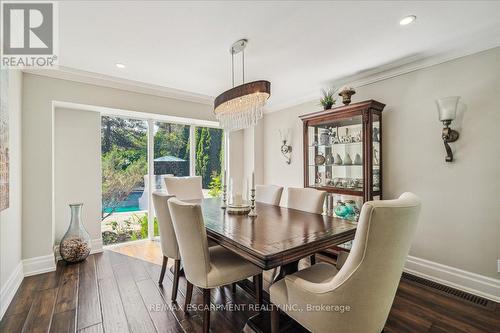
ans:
(447, 107)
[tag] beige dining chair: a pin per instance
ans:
(269, 194)
(308, 200)
(168, 242)
(357, 296)
(206, 267)
(185, 188)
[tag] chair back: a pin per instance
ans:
(306, 199)
(184, 188)
(369, 279)
(192, 239)
(269, 194)
(168, 241)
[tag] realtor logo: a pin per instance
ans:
(29, 34)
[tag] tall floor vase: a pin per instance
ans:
(75, 244)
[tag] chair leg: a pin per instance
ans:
(313, 259)
(177, 272)
(233, 287)
(275, 319)
(189, 293)
(258, 288)
(163, 269)
(206, 310)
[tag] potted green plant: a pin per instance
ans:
(327, 100)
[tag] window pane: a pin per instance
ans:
(124, 168)
(171, 152)
(209, 159)
(171, 155)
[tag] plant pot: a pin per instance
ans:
(328, 106)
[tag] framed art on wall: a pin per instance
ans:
(4, 140)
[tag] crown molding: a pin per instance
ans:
(363, 78)
(76, 75)
(387, 71)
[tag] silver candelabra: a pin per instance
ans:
(252, 212)
(224, 197)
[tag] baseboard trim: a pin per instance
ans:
(95, 247)
(39, 265)
(10, 288)
(453, 277)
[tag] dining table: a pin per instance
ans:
(278, 237)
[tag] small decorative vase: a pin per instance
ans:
(338, 160)
(329, 159)
(352, 210)
(357, 160)
(347, 160)
(375, 135)
(75, 244)
(346, 95)
(341, 209)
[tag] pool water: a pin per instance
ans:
(131, 204)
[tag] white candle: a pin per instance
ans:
(237, 199)
(253, 180)
(224, 179)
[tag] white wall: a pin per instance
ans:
(39, 92)
(10, 218)
(77, 169)
(460, 223)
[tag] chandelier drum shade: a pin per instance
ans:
(241, 106)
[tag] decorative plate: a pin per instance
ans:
(319, 159)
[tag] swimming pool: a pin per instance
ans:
(131, 204)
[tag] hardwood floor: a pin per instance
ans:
(115, 292)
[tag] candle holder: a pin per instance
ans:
(224, 197)
(252, 212)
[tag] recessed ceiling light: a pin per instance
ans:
(120, 65)
(407, 20)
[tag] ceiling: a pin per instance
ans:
(299, 46)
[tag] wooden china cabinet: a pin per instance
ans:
(343, 155)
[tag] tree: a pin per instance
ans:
(120, 175)
(208, 154)
(123, 133)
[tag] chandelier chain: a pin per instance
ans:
(232, 66)
(243, 64)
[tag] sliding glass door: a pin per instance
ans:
(134, 150)
(124, 171)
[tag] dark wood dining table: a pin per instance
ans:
(278, 237)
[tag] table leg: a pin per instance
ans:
(286, 270)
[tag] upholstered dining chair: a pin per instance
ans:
(184, 188)
(206, 267)
(168, 242)
(361, 291)
(308, 200)
(269, 194)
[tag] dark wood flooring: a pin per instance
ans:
(112, 292)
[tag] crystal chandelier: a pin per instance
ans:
(241, 106)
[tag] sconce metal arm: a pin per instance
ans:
(286, 150)
(448, 135)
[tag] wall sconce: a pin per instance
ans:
(286, 148)
(447, 110)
